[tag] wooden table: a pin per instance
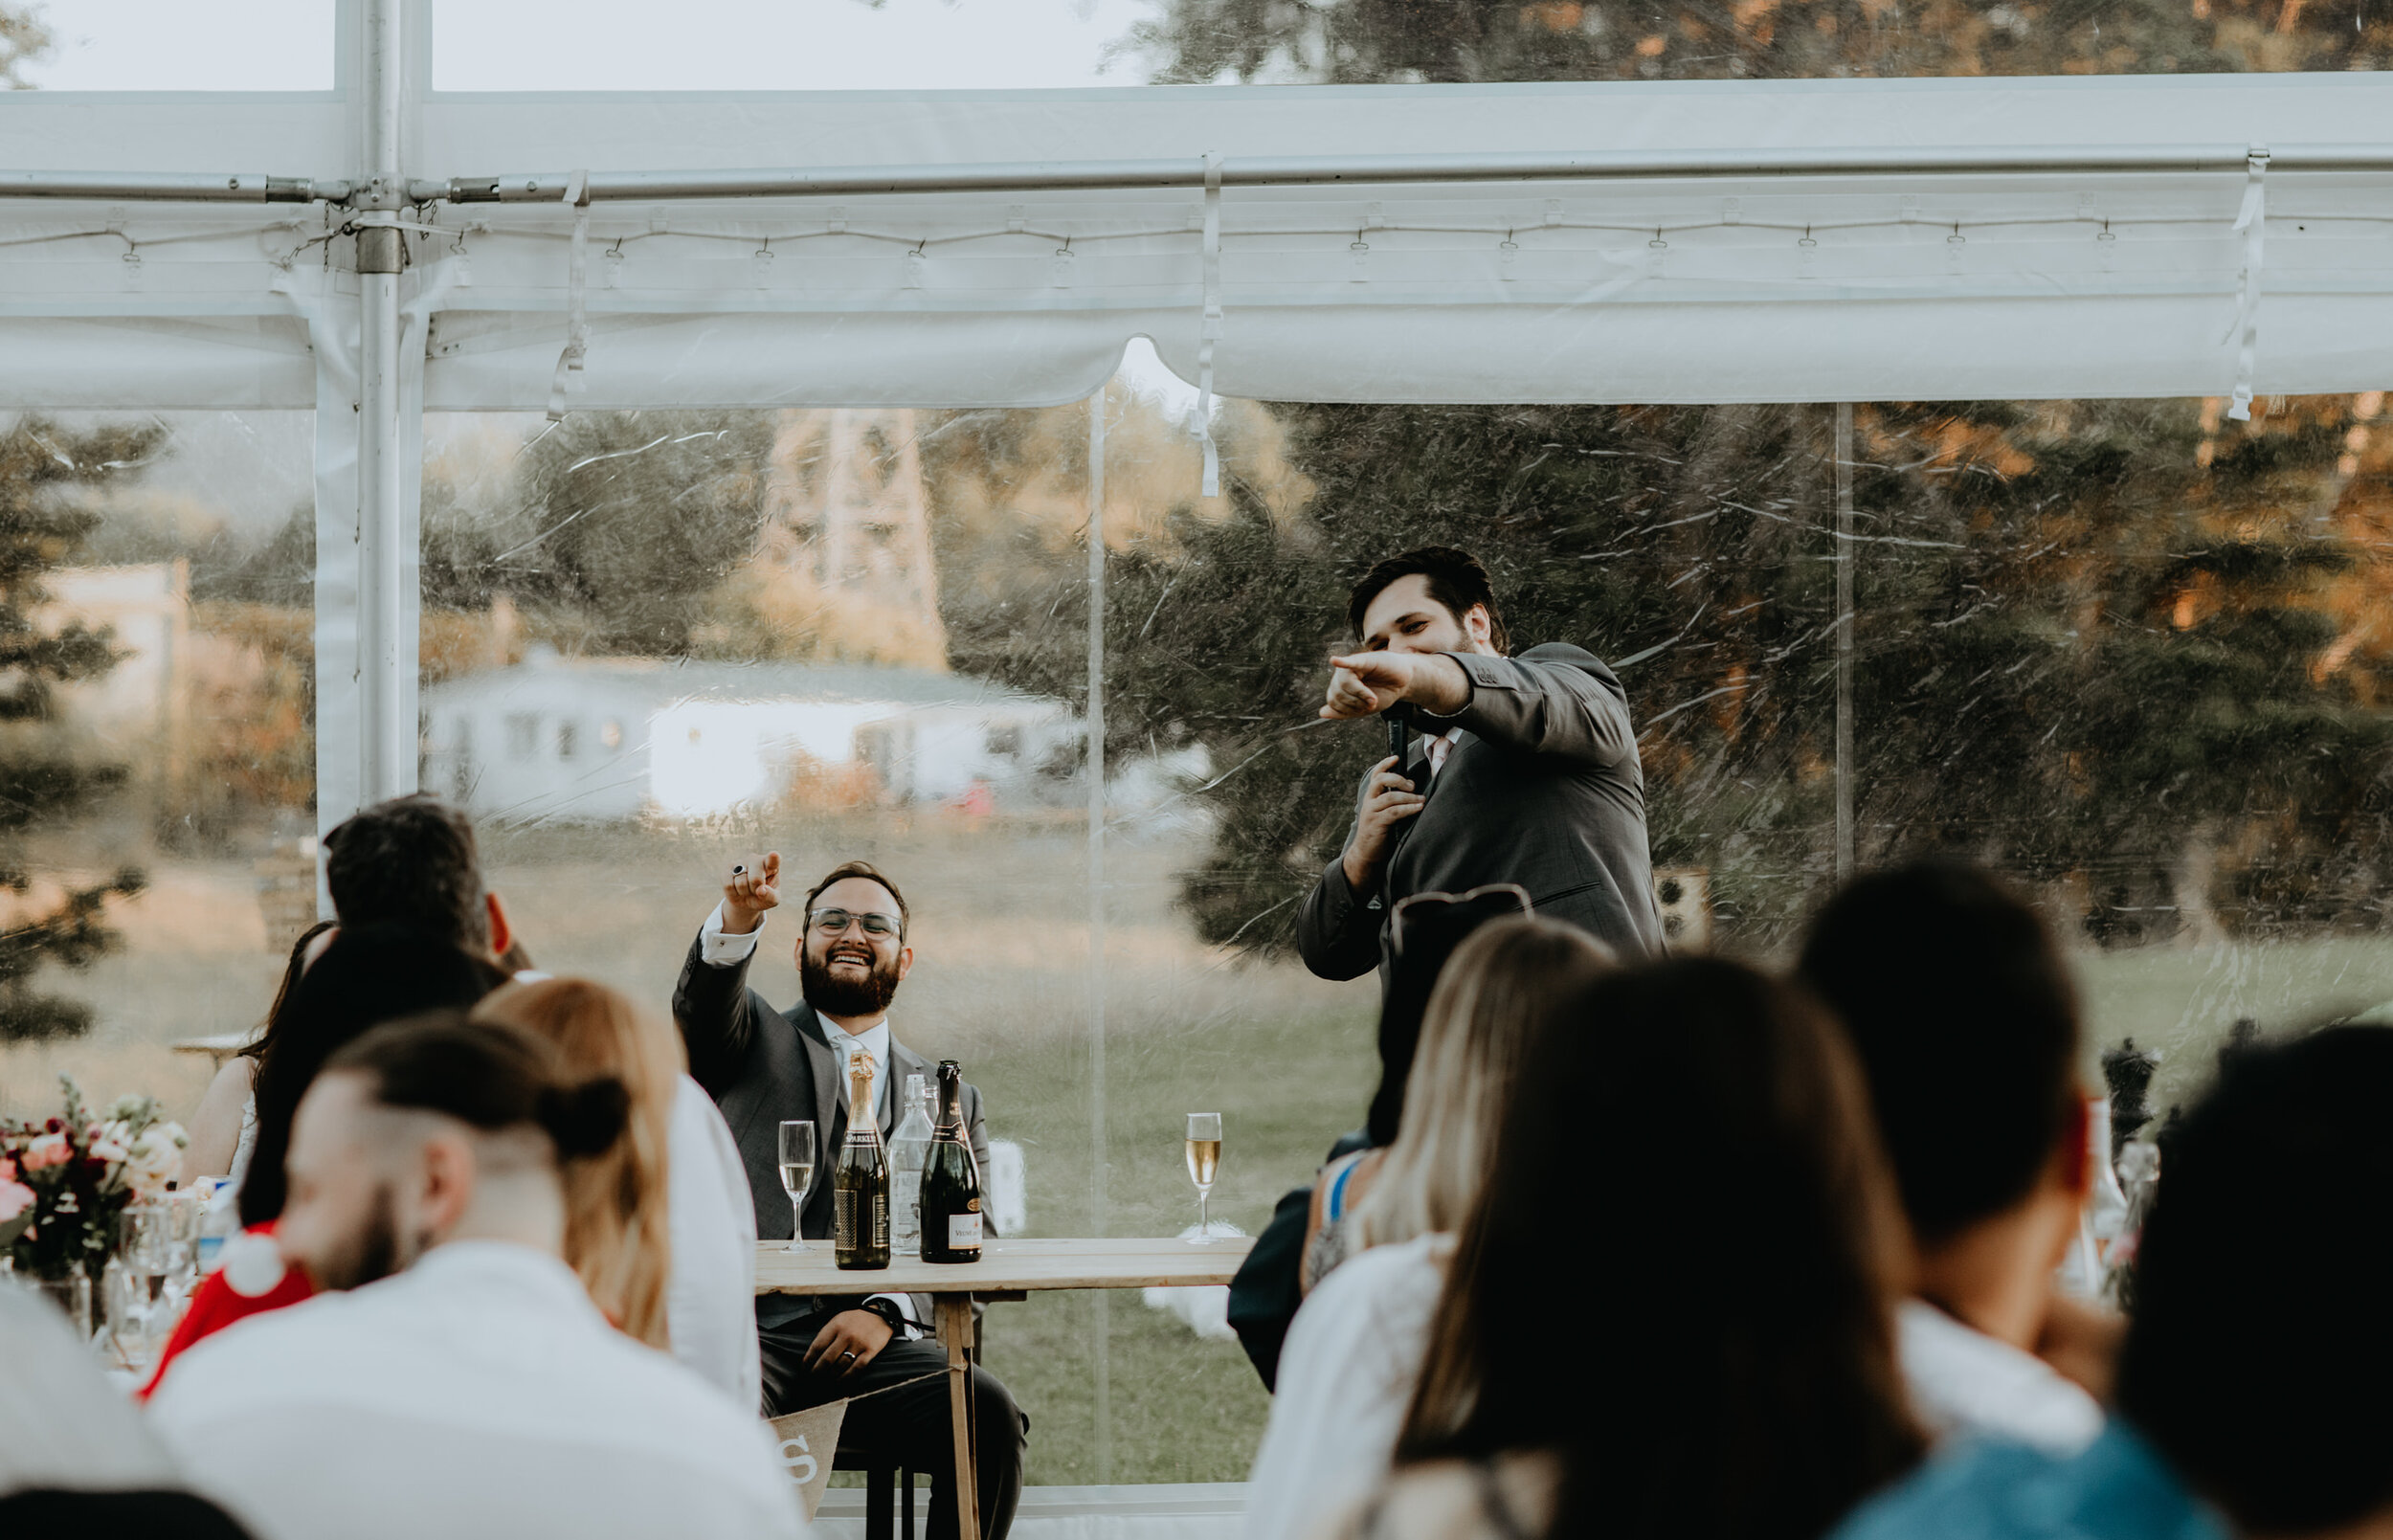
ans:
(1007, 1269)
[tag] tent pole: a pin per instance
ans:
(1097, 1163)
(387, 647)
(1843, 641)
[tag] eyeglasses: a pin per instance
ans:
(835, 922)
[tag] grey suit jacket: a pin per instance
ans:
(1543, 789)
(764, 1066)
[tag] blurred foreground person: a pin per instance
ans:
(74, 1457)
(761, 1065)
(366, 976)
(1961, 1010)
(660, 1227)
(465, 1385)
(2251, 1391)
(1691, 1163)
(1347, 1369)
(1525, 772)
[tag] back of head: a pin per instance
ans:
(1962, 1009)
(1690, 1160)
(493, 1077)
(1507, 985)
(409, 862)
(617, 1230)
(2260, 1347)
(369, 975)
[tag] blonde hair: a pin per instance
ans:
(617, 1234)
(1505, 985)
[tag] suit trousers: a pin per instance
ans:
(909, 1427)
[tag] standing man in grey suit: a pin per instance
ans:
(1524, 769)
(764, 1066)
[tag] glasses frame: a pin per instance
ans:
(855, 919)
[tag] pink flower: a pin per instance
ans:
(16, 1197)
(48, 1150)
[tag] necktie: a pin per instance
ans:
(1439, 748)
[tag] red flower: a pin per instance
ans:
(54, 1126)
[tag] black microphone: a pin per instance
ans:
(1399, 735)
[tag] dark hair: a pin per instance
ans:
(871, 874)
(291, 972)
(367, 976)
(1456, 580)
(490, 1076)
(1695, 1155)
(411, 861)
(2259, 1347)
(1962, 1010)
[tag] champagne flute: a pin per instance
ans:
(1204, 1160)
(797, 1177)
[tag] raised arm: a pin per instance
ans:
(711, 1002)
(1553, 700)
(1337, 930)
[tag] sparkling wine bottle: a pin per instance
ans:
(859, 1179)
(950, 1179)
(909, 1146)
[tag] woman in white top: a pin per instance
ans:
(225, 1129)
(1347, 1369)
(660, 1228)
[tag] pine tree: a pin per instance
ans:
(41, 781)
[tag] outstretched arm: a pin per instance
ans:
(711, 1003)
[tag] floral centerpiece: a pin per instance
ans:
(65, 1180)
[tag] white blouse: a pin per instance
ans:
(478, 1395)
(1345, 1377)
(710, 1299)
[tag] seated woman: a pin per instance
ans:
(1346, 1371)
(661, 1228)
(367, 976)
(1689, 1170)
(225, 1129)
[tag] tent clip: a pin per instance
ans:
(569, 372)
(2251, 221)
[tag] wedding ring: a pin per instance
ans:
(845, 1356)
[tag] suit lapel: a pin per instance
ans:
(830, 1084)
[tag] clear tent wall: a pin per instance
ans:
(680, 476)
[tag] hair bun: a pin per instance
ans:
(586, 1119)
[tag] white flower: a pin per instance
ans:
(155, 1159)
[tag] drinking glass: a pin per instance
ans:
(797, 1177)
(1204, 1162)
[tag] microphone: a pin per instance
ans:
(1399, 735)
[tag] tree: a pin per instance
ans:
(23, 38)
(41, 779)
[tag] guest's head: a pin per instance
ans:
(367, 976)
(1688, 1169)
(411, 861)
(2260, 1345)
(438, 1128)
(617, 1234)
(1433, 599)
(1962, 1012)
(1509, 983)
(853, 951)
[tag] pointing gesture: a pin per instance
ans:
(754, 888)
(1361, 684)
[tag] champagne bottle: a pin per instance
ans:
(951, 1178)
(859, 1179)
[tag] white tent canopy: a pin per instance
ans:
(1650, 243)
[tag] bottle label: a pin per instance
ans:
(962, 1232)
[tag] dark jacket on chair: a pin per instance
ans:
(765, 1067)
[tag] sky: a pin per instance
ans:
(603, 45)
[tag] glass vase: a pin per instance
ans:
(70, 1292)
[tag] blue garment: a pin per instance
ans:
(2118, 1489)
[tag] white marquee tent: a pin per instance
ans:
(381, 249)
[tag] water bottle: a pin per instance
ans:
(909, 1146)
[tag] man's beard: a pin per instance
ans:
(370, 1254)
(844, 997)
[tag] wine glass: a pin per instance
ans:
(797, 1177)
(1204, 1160)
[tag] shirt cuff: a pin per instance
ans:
(905, 1303)
(718, 950)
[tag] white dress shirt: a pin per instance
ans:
(711, 1301)
(478, 1395)
(1345, 1377)
(1963, 1382)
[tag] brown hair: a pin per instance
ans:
(291, 972)
(1508, 984)
(1690, 1160)
(1455, 580)
(617, 1235)
(871, 874)
(410, 860)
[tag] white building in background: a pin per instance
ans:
(614, 738)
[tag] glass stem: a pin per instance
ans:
(1204, 1223)
(797, 1224)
